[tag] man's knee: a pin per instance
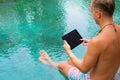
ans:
(62, 66)
(70, 62)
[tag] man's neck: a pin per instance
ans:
(105, 21)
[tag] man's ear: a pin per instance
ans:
(98, 14)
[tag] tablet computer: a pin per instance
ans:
(73, 38)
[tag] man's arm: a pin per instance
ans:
(90, 58)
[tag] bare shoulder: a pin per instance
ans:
(97, 40)
(98, 43)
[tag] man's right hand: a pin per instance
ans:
(85, 42)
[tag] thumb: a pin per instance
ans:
(65, 42)
(82, 39)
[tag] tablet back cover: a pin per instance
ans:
(73, 38)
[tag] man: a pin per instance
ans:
(102, 58)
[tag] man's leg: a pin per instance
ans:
(62, 66)
(70, 62)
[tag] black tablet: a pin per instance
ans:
(73, 38)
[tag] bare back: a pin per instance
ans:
(109, 59)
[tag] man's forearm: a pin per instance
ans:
(77, 62)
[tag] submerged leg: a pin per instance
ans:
(62, 66)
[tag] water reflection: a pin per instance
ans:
(35, 24)
(27, 26)
(74, 16)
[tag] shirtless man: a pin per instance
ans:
(102, 58)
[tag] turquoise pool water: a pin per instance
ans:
(27, 26)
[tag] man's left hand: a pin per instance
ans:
(67, 47)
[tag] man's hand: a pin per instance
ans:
(85, 42)
(67, 47)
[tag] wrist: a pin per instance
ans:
(71, 55)
(69, 51)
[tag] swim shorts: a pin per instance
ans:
(75, 74)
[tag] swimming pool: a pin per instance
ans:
(27, 26)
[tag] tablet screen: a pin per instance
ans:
(73, 38)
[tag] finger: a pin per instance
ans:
(66, 43)
(83, 39)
